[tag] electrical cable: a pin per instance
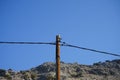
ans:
(27, 43)
(88, 49)
(62, 44)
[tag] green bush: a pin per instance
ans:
(77, 75)
(33, 76)
(8, 76)
(26, 76)
(51, 78)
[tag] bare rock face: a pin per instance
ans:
(109, 70)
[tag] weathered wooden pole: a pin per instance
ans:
(58, 57)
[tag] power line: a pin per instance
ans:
(93, 50)
(62, 44)
(27, 43)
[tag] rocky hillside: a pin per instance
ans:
(109, 70)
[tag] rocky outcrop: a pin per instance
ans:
(109, 70)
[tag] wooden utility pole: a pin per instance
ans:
(58, 57)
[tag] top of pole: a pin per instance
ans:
(58, 37)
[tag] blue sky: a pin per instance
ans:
(87, 23)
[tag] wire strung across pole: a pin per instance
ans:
(27, 43)
(93, 50)
(62, 44)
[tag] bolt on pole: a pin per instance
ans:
(58, 57)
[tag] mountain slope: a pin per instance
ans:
(109, 70)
